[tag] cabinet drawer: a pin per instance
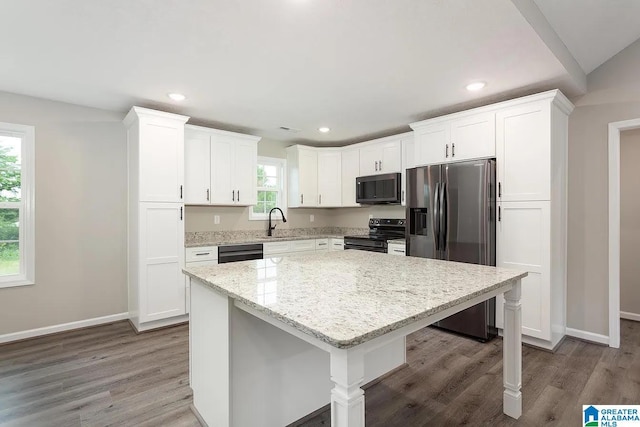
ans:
(276, 248)
(205, 253)
(303, 245)
(337, 244)
(322, 244)
(397, 249)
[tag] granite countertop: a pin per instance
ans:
(345, 298)
(231, 240)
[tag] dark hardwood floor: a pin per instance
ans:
(109, 376)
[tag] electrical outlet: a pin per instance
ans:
(312, 218)
(216, 219)
(370, 216)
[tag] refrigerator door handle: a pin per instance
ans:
(436, 213)
(443, 216)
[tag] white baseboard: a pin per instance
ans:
(630, 316)
(588, 336)
(31, 333)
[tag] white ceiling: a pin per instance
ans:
(362, 67)
(593, 30)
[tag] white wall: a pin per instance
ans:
(613, 95)
(81, 188)
(630, 221)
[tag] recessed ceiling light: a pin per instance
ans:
(324, 129)
(475, 86)
(177, 96)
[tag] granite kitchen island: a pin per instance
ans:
(273, 340)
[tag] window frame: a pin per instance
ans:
(282, 190)
(26, 208)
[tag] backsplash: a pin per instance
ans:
(201, 237)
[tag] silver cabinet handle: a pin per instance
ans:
(203, 253)
(181, 192)
(380, 164)
(238, 195)
(453, 149)
(403, 195)
(180, 213)
(233, 195)
(499, 214)
(322, 244)
(398, 250)
(499, 189)
(446, 151)
(376, 165)
(301, 199)
(207, 194)
(319, 199)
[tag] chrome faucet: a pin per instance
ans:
(274, 225)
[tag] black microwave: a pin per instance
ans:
(378, 189)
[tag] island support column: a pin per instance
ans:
(512, 353)
(347, 398)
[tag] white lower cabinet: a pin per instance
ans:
(160, 290)
(337, 244)
(524, 243)
(198, 257)
(322, 244)
(396, 249)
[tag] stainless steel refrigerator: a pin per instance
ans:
(451, 215)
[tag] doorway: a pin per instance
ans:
(615, 130)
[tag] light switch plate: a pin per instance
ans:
(312, 218)
(216, 219)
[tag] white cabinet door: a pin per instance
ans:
(222, 156)
(408, 158)
(473, 137)
(308, 177)
(350, 171)
(329, 178)
(432, 144)
(390, 160)
(369, 157)
(245, 173)
(523, 243)
(161, 160)
(197, 178)
(523, 154)
(162, 292)
(396, 249)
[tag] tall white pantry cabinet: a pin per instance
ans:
(156, 218)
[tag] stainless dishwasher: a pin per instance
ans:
(235, 253)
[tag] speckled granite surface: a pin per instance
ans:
(214, 238)
(345, 298)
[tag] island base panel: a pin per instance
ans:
(247, 372)
(512, 353)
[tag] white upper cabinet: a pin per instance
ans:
(381, 157)
(464, 138)
(221, 167)
(330, 178)
(408, 159)
(159, 154)
(350, 171)
(302, 176)
(524, 152)
(197, 149)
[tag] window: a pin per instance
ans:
(16, 205)
(271, 185)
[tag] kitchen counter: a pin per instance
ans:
(282, 337)
(257, 239)
(348, 298)
(397, 241)
(216, 238)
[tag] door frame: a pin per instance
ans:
(615, 128)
